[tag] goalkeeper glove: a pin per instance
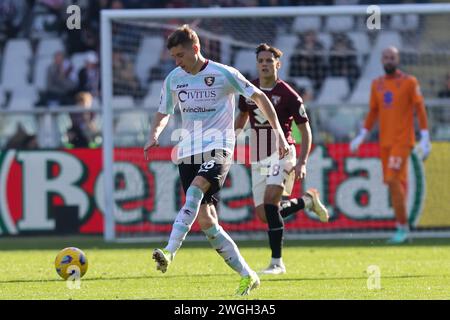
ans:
(424, 146)
(356, 142)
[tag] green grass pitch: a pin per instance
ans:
(316, 270)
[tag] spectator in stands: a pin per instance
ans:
(89, 75)
(164, 67)
(445, 93)
(125, 81)
(22, 140)
(309, 61)
(60, 86)
(12, 16)
(83, 132)
(343, 59)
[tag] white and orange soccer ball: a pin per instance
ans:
(71, 261)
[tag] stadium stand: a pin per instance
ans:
(27, 49)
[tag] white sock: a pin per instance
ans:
(228, 250)
(308, 201)
(404, 227)
(185, 218)
(277, 261)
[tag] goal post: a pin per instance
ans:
(141, 199)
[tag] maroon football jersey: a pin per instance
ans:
(288, 106)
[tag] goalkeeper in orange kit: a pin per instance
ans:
(394, 99)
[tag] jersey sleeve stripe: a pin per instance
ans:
(231, 79)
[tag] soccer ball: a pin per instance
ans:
(71, 262)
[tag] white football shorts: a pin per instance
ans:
(272, 170)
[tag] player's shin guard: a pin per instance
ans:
(185, 218)
(227, 249)
(276, 229)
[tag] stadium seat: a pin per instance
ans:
(326, 39)
(23, 98)
(342, 124)
(303, 82)
(304, 23)
(245, 62)
(131, 122)
(361, 92)
(151, 100)
(360, 41)
(286, 42)
(334, 90)
(148, 56)
(15, 71)
(339, 23)
(11, 122)
(408, 22)
(385, 39)
(40, 72)
(225, 49)
(123, 102)
(44, 57)
(2, 97)
(48, 47)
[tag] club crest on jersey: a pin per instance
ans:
(209, 81)
(276, 100)
(302, 111)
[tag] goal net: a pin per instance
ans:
(331, 55)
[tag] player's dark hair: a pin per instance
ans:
(183, 35)
(277, 53)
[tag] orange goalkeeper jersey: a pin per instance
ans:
(393, 101)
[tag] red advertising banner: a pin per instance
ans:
(148, 195)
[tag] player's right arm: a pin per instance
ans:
(240, 122)
(166, 108)
(159, 122)
(371, 118)
(269, 112)
(242, 117)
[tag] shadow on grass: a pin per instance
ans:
(263, 278)
(281, 279)
(96, 242)
(119, 278)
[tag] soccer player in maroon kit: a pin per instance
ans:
(272, 177)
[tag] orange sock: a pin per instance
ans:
(398, 198)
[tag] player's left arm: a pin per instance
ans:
(298, 112)
(305, 148)
(419, 106)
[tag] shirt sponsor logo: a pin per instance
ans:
(302, 111)
(388, 97)
(197, 95)
(198, 109)
(180, 86)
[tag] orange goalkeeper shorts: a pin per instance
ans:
(395, 162)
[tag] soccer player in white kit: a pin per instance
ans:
(271, 177)
(205, 92)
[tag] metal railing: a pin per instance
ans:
(330, 123)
